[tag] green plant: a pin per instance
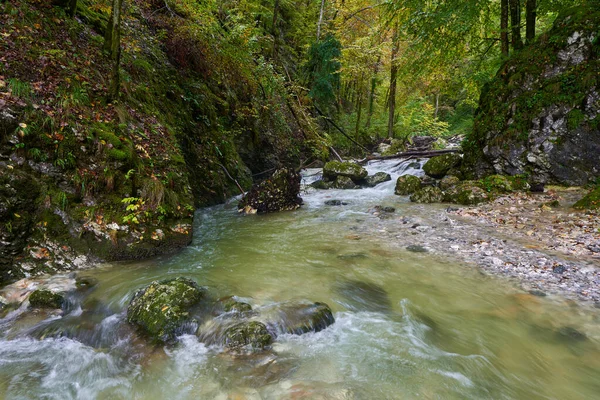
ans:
(134, 208)
(20, 89)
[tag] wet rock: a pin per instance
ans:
(278, 193)
(251, 334)
(321, 184)
(415, 248)
(333, 169)
(230, 304)
(537, 293)
(570, 334)
(551, 204)
(448, 181)
(298, 318)
(559, 269)
(335, 203)
(352, 256)
(363, 296)
(415, 165)
(591, 201)
(376, 179)
(437, 167)
(428, 181)
(466, 193)
(343, 182)
(44, 298)
(163, 308)
(407, 184)
(427, 194)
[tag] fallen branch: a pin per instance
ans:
(336, 154)
(326, 118)
(426, 153)
(233, 179)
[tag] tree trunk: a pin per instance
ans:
(530, 17)
(112, 44)
(515, 22)
(72, 8)
(358, 112)
(372, 94)
(274, 28)
(393, 73)
(437, 105)
(320, 20)
(504, 27)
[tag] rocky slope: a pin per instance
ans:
(539, 116)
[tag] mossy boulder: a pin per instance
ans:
(299, 318)
(333, 169)
(448, 181)
(376, 179)
(251, 334)
(321, 184)
(428, 194)
(44, 298)
(162, 308)
(407, 184)
(343, 182)
(437, 167)
(230, 304)
(591, 201)
(278, 193)
(466, 193)
(395, 146)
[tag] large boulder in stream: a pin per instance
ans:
(363, 296)
(298, 318)
(44, 298)
(428, 194)
(251, 334)
(278, 193)
(333, 169)
(376, 179)
(437, 167)
(162, 308)
(407, 184)
(466, 193)
(343, 182)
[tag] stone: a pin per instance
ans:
(161, 309)
(333, 169)
(376, 179)
(466, 193)
(448, 181)
(343, 182)
(590, 201)
(407, 184)
(335, 203)
(415, 248)
(252, 334)
(427, 194)
(437, 167)
(299, 318)
(363, 296)
(278, 193)
(321, 184)
(44, 298)
(230, 304)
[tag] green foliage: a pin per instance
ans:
(322, 70)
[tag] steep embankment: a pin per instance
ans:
(82, 179)
(539, 116)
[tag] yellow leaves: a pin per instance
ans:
(164, 308)
(23, 125)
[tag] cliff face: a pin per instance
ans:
(83, 180)
(539, 116)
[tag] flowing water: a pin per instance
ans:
(408, 325)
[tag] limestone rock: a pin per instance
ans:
(427, 194)
(438, 166)
(278, 193)
(407, 184)
(333, 169)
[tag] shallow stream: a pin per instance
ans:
(408, 324)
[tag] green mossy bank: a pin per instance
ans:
(83, 180)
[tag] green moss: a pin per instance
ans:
(437, 167)
(574, 118)
(44, 298)
(466, 193)
(333, 169)
(591, 201)
(428, 194)
(253, 334)
(407, 184)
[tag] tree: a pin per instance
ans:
(393, 83)
(504, 27)
(530, 17)
(112, 45)
(515, 23)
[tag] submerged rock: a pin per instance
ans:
(335, 203)
(278, 193)
(415, 248)
(437, 167)
(321, 184)
(253, 334)
(162, 308)
(407, 184)
(230, 304)
(44, 298)
(427, 194)
(333, 169)
(343, 182)
(299, 318)
(363, 296)
(376, 179)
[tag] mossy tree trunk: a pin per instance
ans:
(515, 23)
(112, 45)
(393, 76)
(72, 8)
(504, 27)
(274, 29)
(530, 17)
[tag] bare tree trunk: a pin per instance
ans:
(393, 73)
(72, 8)
(274, 28)
(112, 44)
(372, 94)
(530, 17)
(504, 27)
(320, 20)
(359, 111)
(437, 105)
(515, 22)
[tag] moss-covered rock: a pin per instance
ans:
(428, 194)
(407, 184)
(162, 308)
(539, 115)
(343, 182)
(230, 304)
(44, 298)
(591, 201)
(376, 179)
(466, 193)
(448, 181)
(299, 318)
(321, 184)
(252, 334)
(437, 167)
(333, 169)
(278, 193)
(395, 146)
